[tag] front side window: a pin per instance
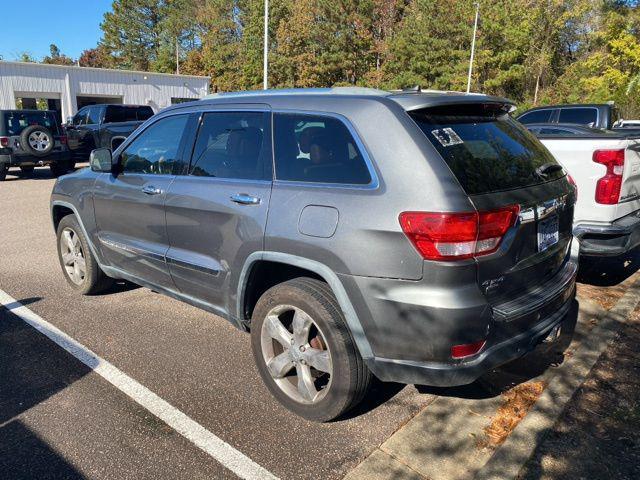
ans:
(581, 116)
(317, 149)
(80, 118)
(232, 145)
(93, 117)
(155, 151)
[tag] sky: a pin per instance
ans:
(32, 25)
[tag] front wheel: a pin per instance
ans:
(80, 268)
(304, 351)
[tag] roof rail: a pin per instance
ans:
(302, 91)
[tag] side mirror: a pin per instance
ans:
(101, 160)
(69, 123)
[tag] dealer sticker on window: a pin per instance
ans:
(447, 136)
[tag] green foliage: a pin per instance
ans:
(533, 51)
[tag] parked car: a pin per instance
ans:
(103, 126)
(31, 138)
(605, 165)
(427, 246)
(635, 124)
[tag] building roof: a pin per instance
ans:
(75, 67)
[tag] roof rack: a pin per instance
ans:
(302, 91)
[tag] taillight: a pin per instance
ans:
(608, 187)
(63, 139)
(462, 351)
(456, 236)
(574, 185)
(4, 141)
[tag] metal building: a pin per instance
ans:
(67, 89)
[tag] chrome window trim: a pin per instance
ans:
(372, 185)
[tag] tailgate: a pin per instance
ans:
(534, 249)
(630, 189)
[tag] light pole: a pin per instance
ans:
(265, 56)
(473, 46)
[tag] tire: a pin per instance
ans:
(27, 170)
(330, 394)
(93, 280)
(3, 171)
(37, 140)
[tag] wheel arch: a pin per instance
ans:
(314, 269)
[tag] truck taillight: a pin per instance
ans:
(608, 187)
(456, 236)
(4, 141)
(63, 139)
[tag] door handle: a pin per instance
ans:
(151, 190)
(245, 199)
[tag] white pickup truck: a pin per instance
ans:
(605, 166)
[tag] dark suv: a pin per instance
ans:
(31, 138)
(419, 237)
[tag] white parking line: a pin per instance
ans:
(221, 451)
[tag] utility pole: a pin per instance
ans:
(265, 57)
(473, 46)
(177, 57)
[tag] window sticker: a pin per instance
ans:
(447, 136)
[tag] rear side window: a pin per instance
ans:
(122, 113)
(537, 116)
(317, 149)
(486, 149)
(232, 145)
(15, 122)
(582, 116)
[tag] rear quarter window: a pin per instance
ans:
(581, 116)
(486, 150)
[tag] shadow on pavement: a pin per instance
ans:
(26, 456)
(608, 271)
(32, 369)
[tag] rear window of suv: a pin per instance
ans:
(16, 122)
(485, 148)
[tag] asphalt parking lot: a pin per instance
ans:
(59, 419)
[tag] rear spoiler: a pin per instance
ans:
(412, 102)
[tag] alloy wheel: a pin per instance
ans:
(296, 354)
(72, 254)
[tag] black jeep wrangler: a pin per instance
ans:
(32, 138)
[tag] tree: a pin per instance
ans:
(56, 57)
(132, 32)
(96, 57)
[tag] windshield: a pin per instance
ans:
(486, 149)
(16, 122)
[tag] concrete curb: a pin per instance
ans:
(510, 458)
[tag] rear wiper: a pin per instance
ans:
(547, 168)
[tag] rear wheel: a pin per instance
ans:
(79, 267)
(304, 351)
(3, 171)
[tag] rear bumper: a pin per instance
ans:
(512, 329)
(32, 161)
(612, 239)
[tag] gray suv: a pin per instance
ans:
(416, 237)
